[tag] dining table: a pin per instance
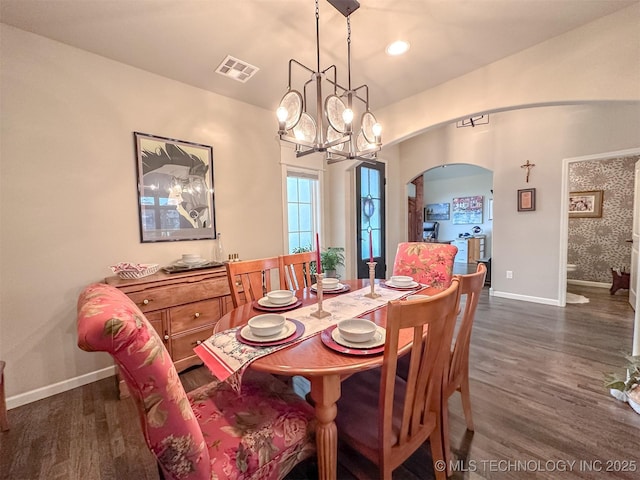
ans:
(324, 367)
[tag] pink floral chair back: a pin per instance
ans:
(427, 263)
(211, 433)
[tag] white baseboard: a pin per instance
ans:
(587, 283)
(54, 389)
(526, 298)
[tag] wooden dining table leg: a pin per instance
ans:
(325, 392)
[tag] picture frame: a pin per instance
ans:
(527, 200)
(175, 189)
(436, 211)
(467, 210)
(586, 204)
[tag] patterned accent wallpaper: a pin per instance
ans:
(598, 244)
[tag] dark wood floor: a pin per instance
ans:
(537, 396)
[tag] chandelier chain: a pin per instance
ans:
(318, 35)
(349, 50)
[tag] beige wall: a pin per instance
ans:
(599, 62)
(527, 243)
(68, 188)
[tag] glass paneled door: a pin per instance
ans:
(370, 187)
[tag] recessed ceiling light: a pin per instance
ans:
(397, 48)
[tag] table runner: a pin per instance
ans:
(227, 358)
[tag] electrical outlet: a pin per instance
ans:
(509, 274)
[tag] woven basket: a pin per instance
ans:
(135, 274)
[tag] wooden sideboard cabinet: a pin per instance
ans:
(182, 307)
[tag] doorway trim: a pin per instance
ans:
(564, 217)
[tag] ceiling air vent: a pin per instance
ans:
(236, 69)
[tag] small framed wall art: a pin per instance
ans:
(436, 211)
(527, 200)
(585, 204)
(467, 210)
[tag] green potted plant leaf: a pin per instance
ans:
(330, 259)
(626, 388)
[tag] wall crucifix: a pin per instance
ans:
(528, 166)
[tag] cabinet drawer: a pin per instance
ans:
(194, 315)
(155, 319)
(164, 297)
(182, 345)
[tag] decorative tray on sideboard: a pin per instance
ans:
(187, 268)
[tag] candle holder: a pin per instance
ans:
(319, 313)
(372, 280)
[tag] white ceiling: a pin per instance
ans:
(186, 39)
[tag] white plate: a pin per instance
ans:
(264, 302)
(326, 289)
(411, 285)
(376, 341)
(288, 329)
(180, 263)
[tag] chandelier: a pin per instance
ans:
(340, 125)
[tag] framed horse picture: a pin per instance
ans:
(585, 204)
(175, 189)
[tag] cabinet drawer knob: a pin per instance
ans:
(197, 342)
(145, 302)
(197, 314)
(166, 336)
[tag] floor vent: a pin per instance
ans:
(236, 69)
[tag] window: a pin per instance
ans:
(302, 209)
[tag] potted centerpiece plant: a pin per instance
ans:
(627, 388)
(330, 259)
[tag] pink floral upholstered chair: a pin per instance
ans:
(427, 263)
(211, 433)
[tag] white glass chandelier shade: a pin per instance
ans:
(328, 117)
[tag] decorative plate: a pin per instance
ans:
(180, 263)
(340, 289)
(411, 286)
(377, 340)
(327, 338)
(293, 329)
(266, 306)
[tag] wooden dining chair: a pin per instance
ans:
(295, 269)
(457, 377)
(427, 263)
(250, 280)
(387, 418)
(261, 432)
